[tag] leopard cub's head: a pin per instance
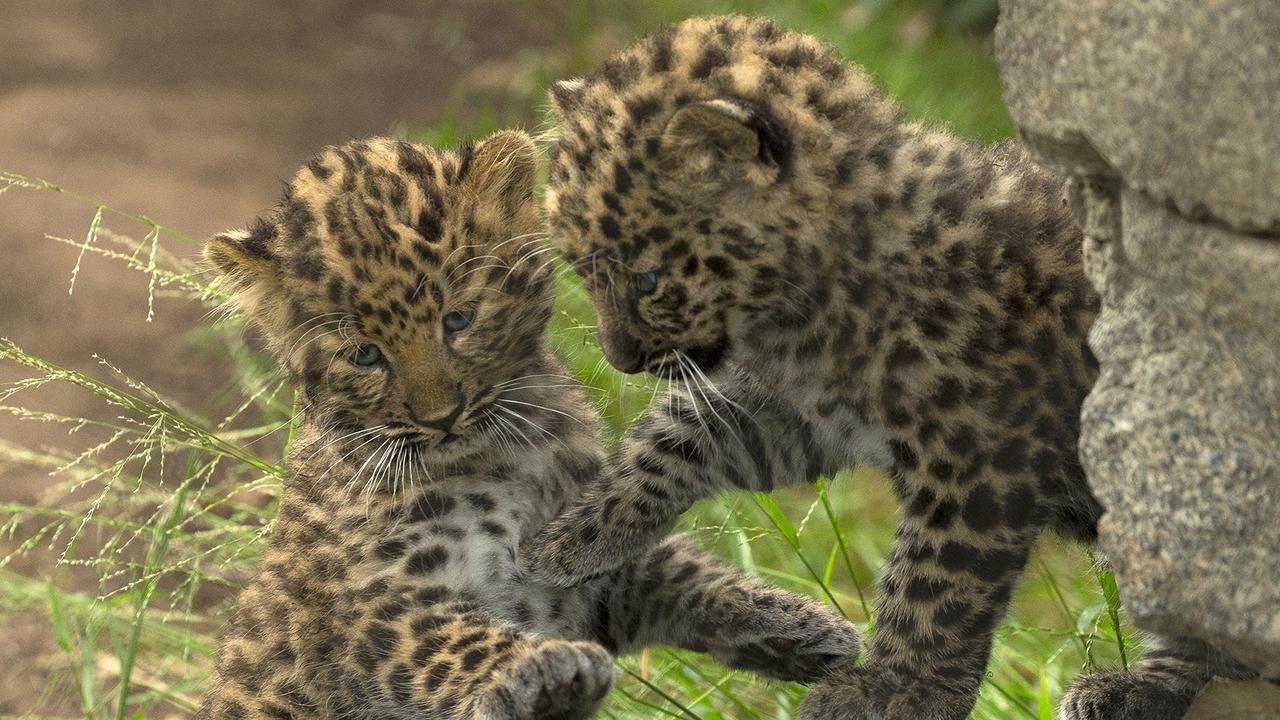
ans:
(691, 180)
(394, 284)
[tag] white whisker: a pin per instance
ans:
(344, 457)
(517, 430)
(469, 260)
(348, 436)
(543, 407)
(692, 399)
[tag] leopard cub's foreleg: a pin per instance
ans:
(678, 595)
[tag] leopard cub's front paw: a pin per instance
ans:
(868, 693)
(572, 550)
(549, 558)
(836, 644)
(805, 645)
(559, 680)
(1123, 696)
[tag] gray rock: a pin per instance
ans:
(1179, 97)
(1251, 700)
(1165, 115)
(1179, 436)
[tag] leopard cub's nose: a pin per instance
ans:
(622, 351)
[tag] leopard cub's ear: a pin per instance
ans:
(725, 142)
(249, 261)
(503, 165)
(566, 95)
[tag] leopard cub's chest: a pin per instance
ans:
(818, 392)
(459, 540)
(463, 534)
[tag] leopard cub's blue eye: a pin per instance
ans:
(458, 320)
(647, 282)
(366, 356)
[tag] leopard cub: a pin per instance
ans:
(399, 288)
(832, 285)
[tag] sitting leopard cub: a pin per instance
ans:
(438, 434)
(837, 286)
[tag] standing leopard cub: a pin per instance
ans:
(397, 287)
(836, 286)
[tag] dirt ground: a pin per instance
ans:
(193, 114)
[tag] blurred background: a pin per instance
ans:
(139, 439)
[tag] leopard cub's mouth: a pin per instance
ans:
(682, 363)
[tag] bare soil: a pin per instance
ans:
(193, 114)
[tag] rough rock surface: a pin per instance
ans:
(1256, 700)
(1165, 116)
(1177, 97)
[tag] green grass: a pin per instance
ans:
(166, 509)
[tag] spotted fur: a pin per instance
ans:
(833, 286)
(389, 588)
